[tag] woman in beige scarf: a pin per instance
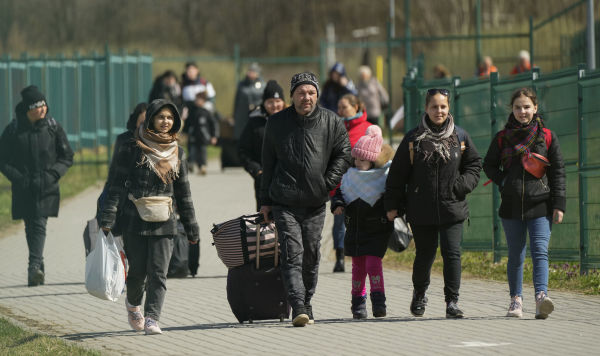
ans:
(150, 167)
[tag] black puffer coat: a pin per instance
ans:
(34, 157)
(523, 195)
(433, 193)
(304, 157)
(141, 181)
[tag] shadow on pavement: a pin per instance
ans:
(41, 295)
(45, 284)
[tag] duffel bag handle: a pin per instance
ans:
(276, 252)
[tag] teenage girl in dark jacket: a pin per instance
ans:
(150, 165)
(528, 203)
(434, 169)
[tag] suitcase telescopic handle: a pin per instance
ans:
(257, 246)
(276, 247)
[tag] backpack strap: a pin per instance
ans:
(462, 138)
(547, 137)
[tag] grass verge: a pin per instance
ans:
(17, 341)
(562, 275)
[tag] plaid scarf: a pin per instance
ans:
(435, 141)
(159, 152)
(366, 185)
(519, 138)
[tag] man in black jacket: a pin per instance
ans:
(306, 151)
(34, 155)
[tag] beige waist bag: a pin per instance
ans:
(153, 209)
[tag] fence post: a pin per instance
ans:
(531, 30)
(322, 60)
(109, 103)
(9, 84)
(496, 238)
(25, 58)
(407, 34)
(583, 243)
(478, 32)
(390, 83)
(238, 65)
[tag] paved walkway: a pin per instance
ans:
(197, 320)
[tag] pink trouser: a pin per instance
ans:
(363, 266)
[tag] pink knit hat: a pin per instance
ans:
(369, 146)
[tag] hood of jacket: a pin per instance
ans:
(155, 107)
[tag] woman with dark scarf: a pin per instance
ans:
(531, 201)
(433, 170)
(150, 166)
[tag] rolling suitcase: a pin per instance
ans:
(255, 291)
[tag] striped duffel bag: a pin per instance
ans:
(237, 240)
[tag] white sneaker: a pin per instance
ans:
(151, 327)
(543, 306)
(515, 309)
(134, 316)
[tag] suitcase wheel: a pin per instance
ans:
(281, 318)
(250, 321)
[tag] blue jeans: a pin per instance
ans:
(516, 239)
(338, 231)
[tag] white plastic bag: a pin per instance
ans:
(105, 271)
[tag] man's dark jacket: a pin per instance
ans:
(34, 157)
(433, 192)
(303, 157)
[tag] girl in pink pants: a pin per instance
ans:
(360, 198)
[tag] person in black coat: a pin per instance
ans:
(251, 141)
(150, 166)
(305, 153)
(434, 169)
(360, 199)
(202, 128)
(531, 200)
(34, 155)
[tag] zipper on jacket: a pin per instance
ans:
(437, 191)
(523, 196)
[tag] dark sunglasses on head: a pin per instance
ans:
(432, 92)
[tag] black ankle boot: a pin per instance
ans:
(359, 307)
(418, 303)
(378, 304)
(339, 260)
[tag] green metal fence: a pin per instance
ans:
(568, 102)
(90, 96)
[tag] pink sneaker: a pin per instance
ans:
(151, 327)
(543, 306)
(515, 309)
(134, 316)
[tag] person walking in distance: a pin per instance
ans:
(305, 153)
(360, 198)
(434, 169)
(251, 141)
(150, 170)
(34, 155)
(533, 198)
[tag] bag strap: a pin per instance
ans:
(257, 246)
(411, 152)
(276, 247)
